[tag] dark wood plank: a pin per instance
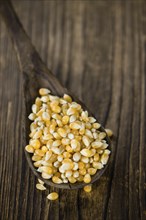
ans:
(97, 50)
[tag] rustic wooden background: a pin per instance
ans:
(97, 49)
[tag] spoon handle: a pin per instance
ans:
(22, 43)
(32, 66)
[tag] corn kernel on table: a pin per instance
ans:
(97, 49)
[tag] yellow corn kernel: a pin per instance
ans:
(66, 155)
(67, 98)
(87, 165)
(32, 117)
(44, 149)
(85, 159)
(57, 174)
(36, 157)
(45, 98)
(52, 128)
(75, 125)
(33, 126)
(65, 141)
(29, 148)
(88, 188)
(77, 149)
(88, 125)
(84, 116)
(65, 119)
(96, 125)
(46, 176)
(86, 141)
(96, 157)
(44, 91)
(59, 123)
(92, 120)
(39, 152)
(46, 116)
(38, 102)
(104, 158)
(81, 165)
(54, 170)
(91, 171)
(37, 163)
(109, 132)
(52, 196)
(56, 135)
(97, 165)
(37, 134)
(66, 166)
(40, 112)
(72, 179)
(86, 152)
(53, 158)
(82, 171)
(46, 169)
(87, 178)
(35, 143)
(78, 138)
(56, 116)
(102, 135)
(56, 179)
(75, 144)
(62, 132)
(80, 178)
(49, 144)
(69, 149)
(97, 144)
(56, 143)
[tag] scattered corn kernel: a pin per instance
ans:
(109, 132)
(88, 188)
(52, 196)
(40, 186)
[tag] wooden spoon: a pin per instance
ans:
(35, 76)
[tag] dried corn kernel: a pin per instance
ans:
(29, 148)
(66, 143)
(87, 178)
(40, 186)
(109, 132)
(65, 119)
(88, 188)
(56, 179)
(52, 196)
(86, 152)
(44, 91)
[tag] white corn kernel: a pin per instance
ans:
(86, 141)
(40, 186)
(44, 91)
(76, 156)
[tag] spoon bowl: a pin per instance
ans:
(36, 75)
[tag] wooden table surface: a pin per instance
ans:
(97, 50)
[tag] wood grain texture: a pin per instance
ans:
(97, 50)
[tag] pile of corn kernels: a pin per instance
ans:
(66, 143)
